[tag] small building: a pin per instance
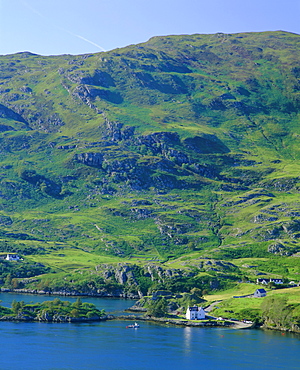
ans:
(259, 293)
(276, 281)
(262, 281)
(12, 257)
(195, 313)
(267, 281)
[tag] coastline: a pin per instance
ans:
(177, 322)
(162, 320)
(172, 321)
(165, 321)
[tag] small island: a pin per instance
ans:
(55, 310)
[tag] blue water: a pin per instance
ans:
(110, 305)
(109, 345)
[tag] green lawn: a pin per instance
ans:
(70, 259)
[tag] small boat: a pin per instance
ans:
(133, 326)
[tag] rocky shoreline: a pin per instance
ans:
(57, 319)
(294, 329)
(178, 322)
(67, 319)
(134, 309)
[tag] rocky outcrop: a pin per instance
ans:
(96, 78)
(171, 229)
(142, 213)
(282, 184)
(221, 266)
(261, 218)
(159, 138)
(90, 159)
(49, 123)
(291, 227)
(128, 274)
(122, 273)
(162, 170)
(88, 94)
(278, 248)
(157, 273)
(116, 131)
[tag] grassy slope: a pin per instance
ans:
(237, 307)
(241, 88)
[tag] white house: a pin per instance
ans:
(267, 281)
(260, 293)
(12, 257)
(195, 313)
(276, 281)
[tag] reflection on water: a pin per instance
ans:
(187, 338)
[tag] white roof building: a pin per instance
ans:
(195, 313)
(260, 293)
(12, 257)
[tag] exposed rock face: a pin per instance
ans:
(291, 227)
(120, 165)
(221, 266)
(87, 94)
(122, 273)
(157, 273)
(26, 89)
(98, 78)
(115, 131)
(90, 159)
(282, 184)
(127, 275)
(50, 123)
(162, 170)
(171, 230)
(141, 213)
(278, 248)
(260, 218)
(275, 248)
(159, 138)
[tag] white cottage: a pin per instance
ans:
(12, 257)
(195, 313)
(260, 293)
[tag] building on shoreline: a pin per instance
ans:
(195, 313)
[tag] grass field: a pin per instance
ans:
(229, 307)
(72, 259)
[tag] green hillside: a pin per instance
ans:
(178, 155)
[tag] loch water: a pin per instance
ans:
(110, 345)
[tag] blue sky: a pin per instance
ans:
(50, 27)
